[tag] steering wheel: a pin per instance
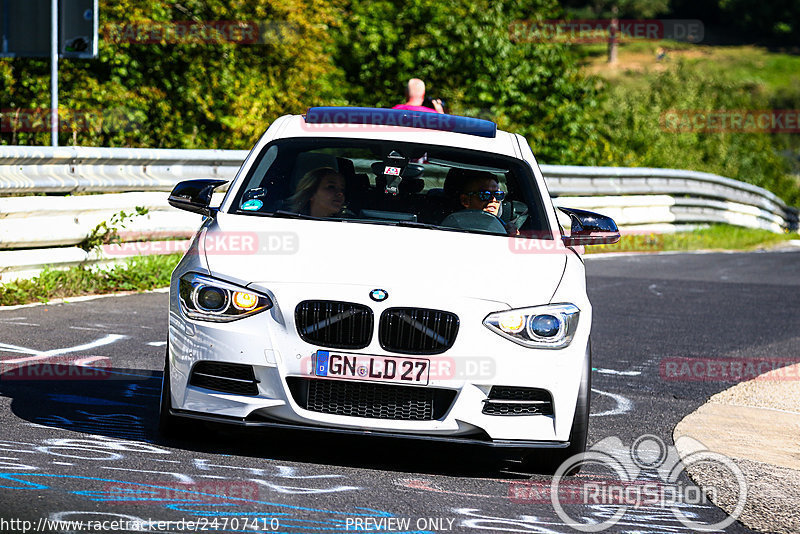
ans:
(478, 220)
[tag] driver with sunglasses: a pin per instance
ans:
(481, 191)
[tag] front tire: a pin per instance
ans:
(547, 461)
(169, 426)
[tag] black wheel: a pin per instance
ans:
(547, 461)
(169, 426)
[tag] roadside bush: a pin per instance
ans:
(631, 119)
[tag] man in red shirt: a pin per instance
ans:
(415, 95)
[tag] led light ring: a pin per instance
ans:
(196, 299)
(504, 320)
(557, 338)
(243, 308)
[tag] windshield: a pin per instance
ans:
(394, 183)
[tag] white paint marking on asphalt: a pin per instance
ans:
(615, 372)
(61, 463)
(654, 291)
(624, 404)
(20, 321)
(157, 343)
(83, 362)
(13, 348)
(286, 471)
(43, 355)
(186, 479)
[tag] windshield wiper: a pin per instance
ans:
(293, 215)
(414, 224)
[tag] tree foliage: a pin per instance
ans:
(639, 9)
(639, 137)
(467, 54)
(185, 94)
(197, 94)
(776, 21)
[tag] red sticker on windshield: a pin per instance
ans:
(392, 171)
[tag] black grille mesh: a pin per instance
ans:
(417, 330)
(516, 409)
(339, 325)
(540, 402)
(522, 394)
(226, 377)
(375, 401)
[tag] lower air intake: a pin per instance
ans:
(226, 377)
(375, 401)
(505, 400)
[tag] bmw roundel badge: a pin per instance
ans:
(378, 295)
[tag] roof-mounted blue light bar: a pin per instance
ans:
(401, 117)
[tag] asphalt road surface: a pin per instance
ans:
(81, 447)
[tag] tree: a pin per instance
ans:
(466, 54)
(614, 10)
(207, 92)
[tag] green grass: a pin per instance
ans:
(639, 90)
(138, 273)
(772, 71)
(716, 237)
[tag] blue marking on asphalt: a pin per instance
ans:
(103, 496)
(94, 401)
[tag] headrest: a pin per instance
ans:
(412, 185)
(307, 162)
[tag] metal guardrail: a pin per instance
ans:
(26, 169)
(636, 198)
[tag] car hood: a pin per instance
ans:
(268, 253)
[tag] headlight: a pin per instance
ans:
(541, 327)
(208, 299)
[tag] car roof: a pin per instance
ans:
(290, 126)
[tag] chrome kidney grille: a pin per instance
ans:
(338, 325)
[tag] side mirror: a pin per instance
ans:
(589, 228)
(195, 195)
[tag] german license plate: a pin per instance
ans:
(372, 368)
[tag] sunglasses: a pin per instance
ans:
(486, 196)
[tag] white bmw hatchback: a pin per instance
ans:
(384, 271)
